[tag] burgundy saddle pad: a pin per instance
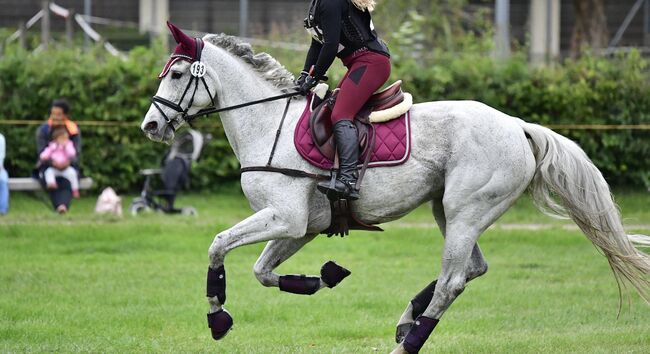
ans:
(392, 141)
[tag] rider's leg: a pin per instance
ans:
(278, 251)
(347, 147)
(367, 72)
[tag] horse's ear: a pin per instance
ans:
(180, 37)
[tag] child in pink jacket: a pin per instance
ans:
(60, 152)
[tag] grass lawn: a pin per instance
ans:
(87, 283)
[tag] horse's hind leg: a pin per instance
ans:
(476, 267)
(471, 205)
(278, 251)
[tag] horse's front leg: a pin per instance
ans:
(278, 251)
(267, 224)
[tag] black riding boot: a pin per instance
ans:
(347, 146)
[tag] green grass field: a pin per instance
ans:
(87, 283)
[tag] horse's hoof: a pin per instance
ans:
(332, 274)
(220, 323)
(402, 331)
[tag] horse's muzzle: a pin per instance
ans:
(150, 127)
(157, 130)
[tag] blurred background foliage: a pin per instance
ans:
(440, 51)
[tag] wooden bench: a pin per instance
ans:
(32, 184)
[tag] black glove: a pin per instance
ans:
(310, 83)
(301, 79)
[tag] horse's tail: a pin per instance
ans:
(567, 184)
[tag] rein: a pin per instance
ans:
(208, 111)
(285, 171)
(198, 70)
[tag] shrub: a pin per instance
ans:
(591, 90)
(100, 88)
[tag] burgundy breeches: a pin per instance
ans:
(367, 72)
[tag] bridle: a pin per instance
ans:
(198, 70)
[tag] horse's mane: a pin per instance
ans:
(263, 63)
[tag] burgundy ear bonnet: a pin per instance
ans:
(188, 49)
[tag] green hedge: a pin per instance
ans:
(591, 90)
(102, 88)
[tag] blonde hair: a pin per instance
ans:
(364, 4)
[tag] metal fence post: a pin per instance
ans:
(69, 28)
(243, 18)
(22, 36)
(45, 24)
(502, 20)
(87, 11)
(646, 24)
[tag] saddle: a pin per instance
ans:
(382, 106)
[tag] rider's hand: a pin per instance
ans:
(301, 79)
(309, 83)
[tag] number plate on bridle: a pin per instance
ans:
(197, 69)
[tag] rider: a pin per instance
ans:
(344, 29)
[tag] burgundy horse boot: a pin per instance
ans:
(220, 322)
(332, 274)
(419, 333)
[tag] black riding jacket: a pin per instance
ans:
(338, 29)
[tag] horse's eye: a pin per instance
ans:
(176, 75)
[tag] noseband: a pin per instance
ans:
(198, 70)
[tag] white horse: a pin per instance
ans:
(470, 161)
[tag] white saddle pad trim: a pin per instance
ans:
(393, 112)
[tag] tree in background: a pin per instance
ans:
(590, 28)
(416, 28)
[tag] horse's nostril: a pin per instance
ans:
(151, 127)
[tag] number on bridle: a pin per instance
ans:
(198, 70)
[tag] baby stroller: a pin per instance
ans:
(174, 173)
